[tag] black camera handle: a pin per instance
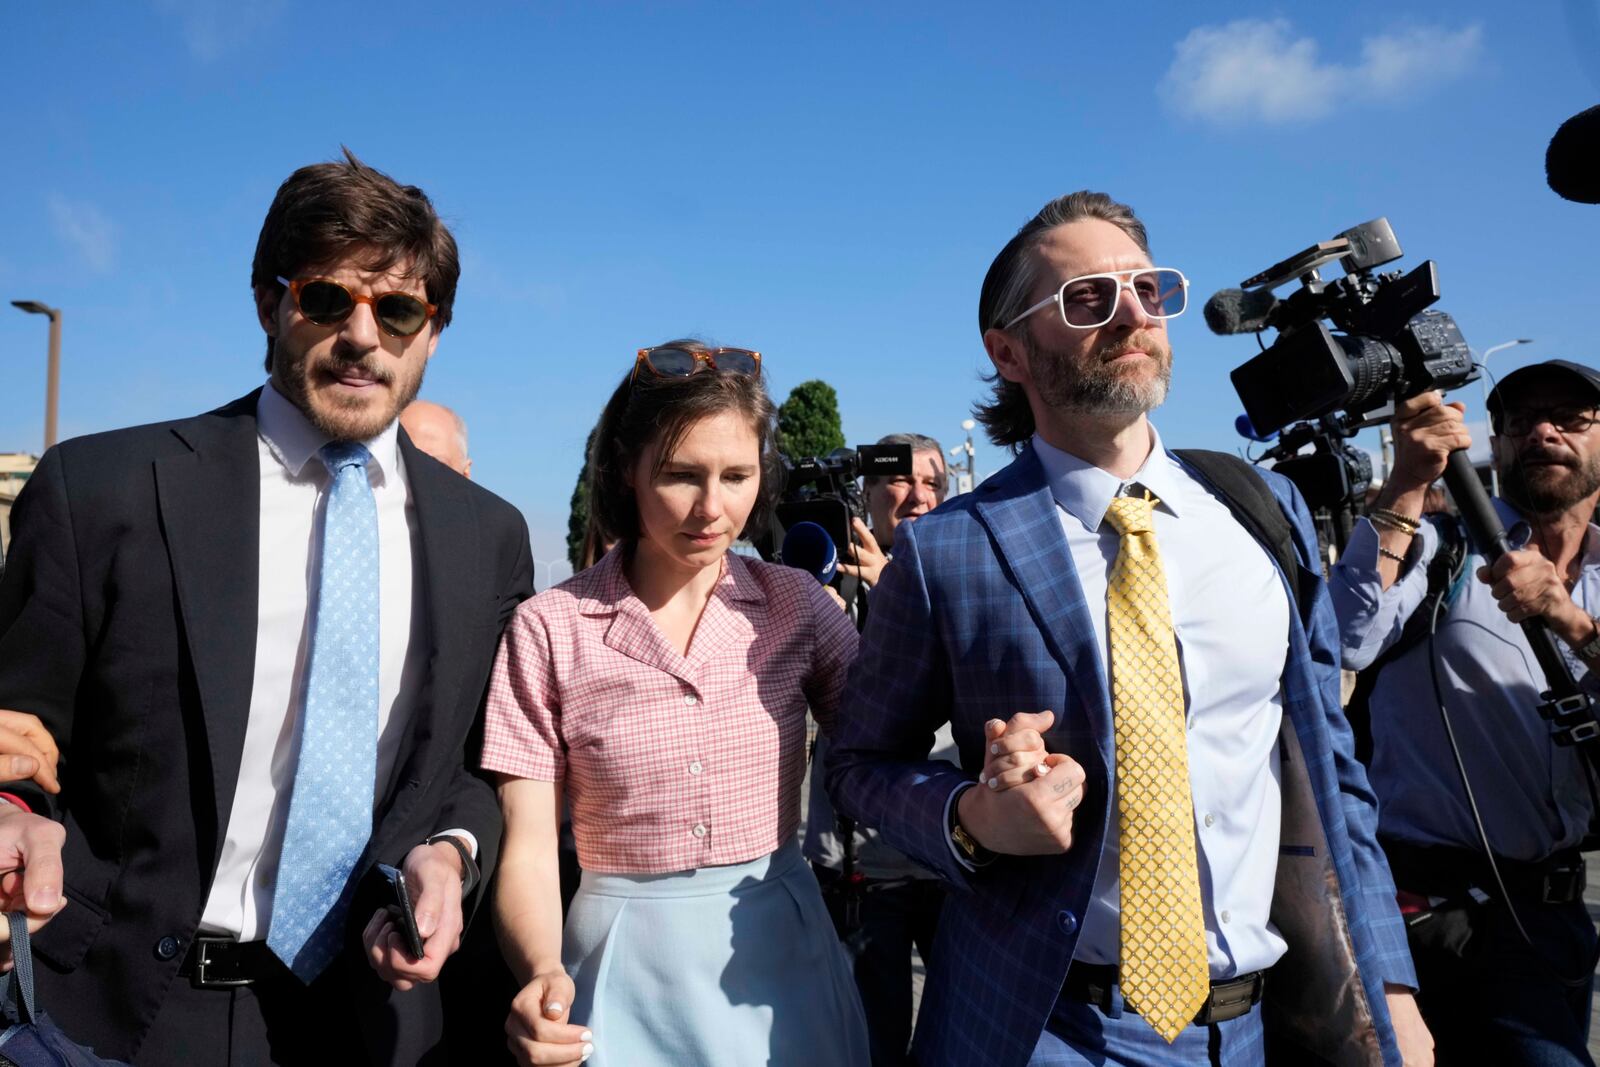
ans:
(1569, 710)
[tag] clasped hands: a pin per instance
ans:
(1024, 802)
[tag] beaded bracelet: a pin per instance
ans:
(1386, 554)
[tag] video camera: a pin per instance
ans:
(1389, 346)
(822, 491)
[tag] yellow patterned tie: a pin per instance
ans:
(1165, 977)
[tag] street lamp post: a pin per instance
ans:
(1483, 363)
(52, 388)
(967, 467)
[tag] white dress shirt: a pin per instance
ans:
(294, 485)
(1230, 611)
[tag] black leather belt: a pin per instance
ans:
(223, 963)
(1092, 983)
(1432, 871)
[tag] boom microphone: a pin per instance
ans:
(807, 547)
(1233, 311)
(1570, 163)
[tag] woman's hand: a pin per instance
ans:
(1016, 754)
(537, 1030)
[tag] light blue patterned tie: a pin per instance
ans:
(330, 810)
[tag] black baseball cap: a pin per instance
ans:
(1584, 379)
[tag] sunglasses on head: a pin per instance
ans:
(328, 303)
(680, 361)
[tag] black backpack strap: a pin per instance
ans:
(1242, 487)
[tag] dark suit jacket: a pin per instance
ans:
(127, 623)
(981, 616)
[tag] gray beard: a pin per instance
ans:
(1542, 496)
(1098, 390)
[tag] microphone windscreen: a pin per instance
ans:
(1245, 428)
(1572, 162)
(807, 546)
(1233, 311)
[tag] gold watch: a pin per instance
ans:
(966, 844)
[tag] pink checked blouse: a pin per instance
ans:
(669, 762)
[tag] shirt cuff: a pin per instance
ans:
(465, 835)
(955, 795)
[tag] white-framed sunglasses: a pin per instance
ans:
(1091, 300)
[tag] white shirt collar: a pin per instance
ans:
(1085, 491)
(294, 442)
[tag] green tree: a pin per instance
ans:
(578, 516)
(808, 422)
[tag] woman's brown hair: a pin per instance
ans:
(648, 408)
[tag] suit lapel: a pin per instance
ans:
(210, 501)
(447, 527)
(1020, 514)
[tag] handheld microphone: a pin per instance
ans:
(808, 547)
(1231, 311)
(1245, 428)
(1571, 165)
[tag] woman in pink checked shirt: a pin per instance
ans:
(662, 694)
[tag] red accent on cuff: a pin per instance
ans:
(18, 801)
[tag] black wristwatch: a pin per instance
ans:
(1590, 650)
(469, 868)
(965, 843)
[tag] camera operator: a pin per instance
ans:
(890, 903)
(1505, 950)
(896, 499)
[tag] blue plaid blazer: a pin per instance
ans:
(982, 616)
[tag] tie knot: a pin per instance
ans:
(341, 454)
(1130, 515)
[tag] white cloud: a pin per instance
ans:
(86, 228)
(212, 28)
(1257, 70)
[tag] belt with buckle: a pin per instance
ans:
(1451, 873)
(1093, 983)
(223, 963)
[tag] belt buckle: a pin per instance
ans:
(1237, 998)
(199, 979)
(1561, 884)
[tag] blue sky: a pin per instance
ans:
(824, 182)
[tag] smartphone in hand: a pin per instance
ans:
(399, 906)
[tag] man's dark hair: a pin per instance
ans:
(1008, 290)
(653, 408)
(328, 211)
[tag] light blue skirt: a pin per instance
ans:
(732, 966)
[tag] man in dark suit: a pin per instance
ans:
(260, 636)
(1187, 815)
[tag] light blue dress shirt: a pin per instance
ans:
(1230, 611)
(1530, 792)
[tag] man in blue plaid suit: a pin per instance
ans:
(993, 617)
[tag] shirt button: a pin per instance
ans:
(1224, 916)
(1210, 818)
(696, 767)
(691, 700)
(1067, 921)
(699, 829)
(167, 947)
